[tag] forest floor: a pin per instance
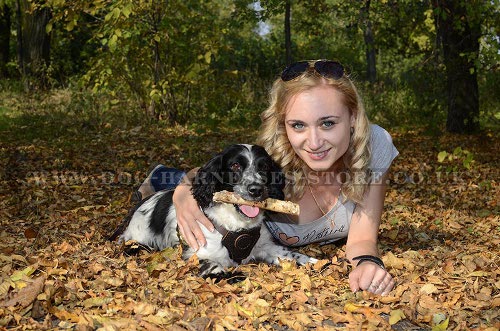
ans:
(65, 184)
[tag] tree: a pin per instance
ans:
(288, 33)
(369, 42)
(33, 44)
(5, 25)
(459, 32)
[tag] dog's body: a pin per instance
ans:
(240, 237)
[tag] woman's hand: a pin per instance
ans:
(371, 277)
(189, 217)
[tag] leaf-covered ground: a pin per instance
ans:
(66, 184)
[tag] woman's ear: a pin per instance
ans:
(353, 120)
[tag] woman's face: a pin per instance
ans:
(318, 126)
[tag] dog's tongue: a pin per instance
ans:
(249, 210)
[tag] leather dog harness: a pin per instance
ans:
(239, 244)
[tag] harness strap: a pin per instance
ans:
(239, 243)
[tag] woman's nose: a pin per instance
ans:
(315, 140)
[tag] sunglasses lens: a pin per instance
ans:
(294, 70)
(329, 69)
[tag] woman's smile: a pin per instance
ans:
(318, 156)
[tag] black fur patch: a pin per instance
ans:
(159, 215)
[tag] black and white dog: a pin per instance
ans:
(241, 236)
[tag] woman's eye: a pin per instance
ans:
(235, 167)
(328, 124)
(297, 126)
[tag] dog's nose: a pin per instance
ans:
(255, 190)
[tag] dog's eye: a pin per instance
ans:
(235, 167)
(264, 167)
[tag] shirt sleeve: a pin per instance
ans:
(383, 151)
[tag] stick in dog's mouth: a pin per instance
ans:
(279, 206)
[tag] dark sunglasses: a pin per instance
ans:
(326, 68)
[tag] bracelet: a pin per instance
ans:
(369, 258)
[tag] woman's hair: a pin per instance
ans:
(274, 139)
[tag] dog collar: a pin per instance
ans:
(239, 243)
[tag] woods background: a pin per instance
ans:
(427, 63)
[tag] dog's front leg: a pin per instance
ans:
(214, 257)
(267, 250)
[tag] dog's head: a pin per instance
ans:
(247, 170)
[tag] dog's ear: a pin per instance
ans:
(277, 182)
(207, 181)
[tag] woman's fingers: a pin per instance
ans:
(371, 277)
(383, 285)
(189, 227)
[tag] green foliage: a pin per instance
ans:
(455, 160)
(205, 61)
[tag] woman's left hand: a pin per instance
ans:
(371, 277)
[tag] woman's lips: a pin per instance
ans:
(317, 156)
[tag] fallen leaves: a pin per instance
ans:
(439, 239)
(26, 294)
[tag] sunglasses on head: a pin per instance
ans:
(326, 68)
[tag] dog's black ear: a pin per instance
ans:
(207, 181)
(277, 182)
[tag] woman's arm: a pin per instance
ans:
(189, 214)
(362, 240)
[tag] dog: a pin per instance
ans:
(240, 235)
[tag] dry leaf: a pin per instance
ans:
(26, 295)
(396, 316)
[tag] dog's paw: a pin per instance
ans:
(208, 267)
(132, 248)
(230, 277)
(303, 259)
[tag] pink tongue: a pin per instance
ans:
(249, 210)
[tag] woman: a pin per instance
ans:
(336, 165)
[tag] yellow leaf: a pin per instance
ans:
(286, 265)
(96, 302)
(242, 310)
(396, 316)
(113, 281)
(144, 308)
(5, 286)
(260, 308)
(479, 274)
(442, 325)
(351, 307)
(305, 283)
(391, 260)
(428, 289)
(18, 275)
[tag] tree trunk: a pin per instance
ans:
(288, 33)
(33, 45)
(371, 69)
(5, 24)
(459, 36)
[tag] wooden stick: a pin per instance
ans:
(279, 206)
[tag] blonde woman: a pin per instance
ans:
(336, 164)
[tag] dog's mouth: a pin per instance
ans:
(248, 211)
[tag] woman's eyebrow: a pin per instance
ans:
(328, 117)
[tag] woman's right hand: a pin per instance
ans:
(190, 216)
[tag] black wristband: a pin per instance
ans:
(369, 258)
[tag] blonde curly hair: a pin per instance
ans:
(274, 139)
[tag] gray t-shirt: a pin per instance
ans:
(289, 233)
